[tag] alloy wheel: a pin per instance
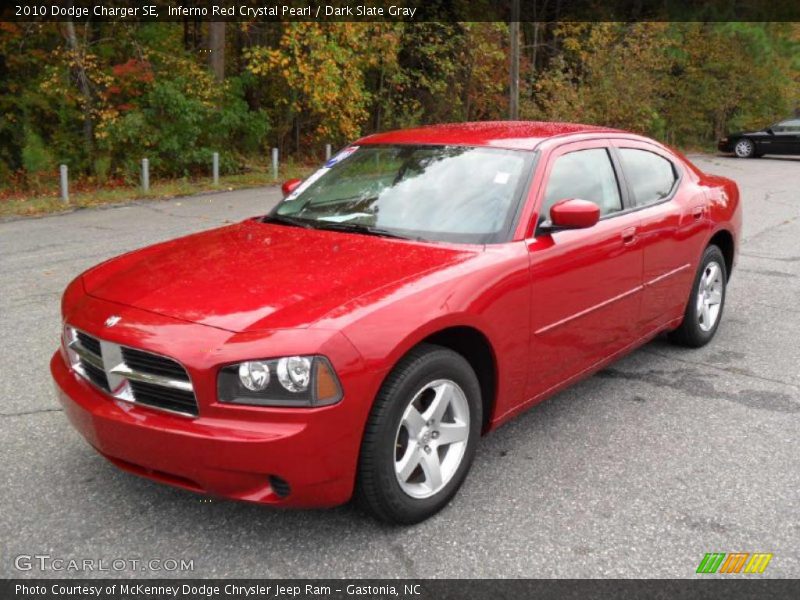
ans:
(744, 148)
(431, 438)
(709, 295)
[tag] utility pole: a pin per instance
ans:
(513, 101)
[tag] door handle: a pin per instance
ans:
(698, 211)
(628, 235)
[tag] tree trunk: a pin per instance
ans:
(379, 95)
(513, 101)
(216, 43)
(79, 72)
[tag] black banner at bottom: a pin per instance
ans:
(394, 589)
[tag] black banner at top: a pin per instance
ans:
(413, 11)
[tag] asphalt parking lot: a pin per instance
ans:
(636, 472)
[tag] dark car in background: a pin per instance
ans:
(782, 137)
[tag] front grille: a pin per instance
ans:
(90, 343)
(161, 397)
(153, 364)
(130, 374)
(95, 375)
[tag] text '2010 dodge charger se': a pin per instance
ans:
(421, 288)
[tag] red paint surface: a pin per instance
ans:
(554, 308)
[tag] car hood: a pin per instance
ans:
(253, 276)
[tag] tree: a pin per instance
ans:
(216, 44)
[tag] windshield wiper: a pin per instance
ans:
(294, 221)
(363, 229)
(346, 227)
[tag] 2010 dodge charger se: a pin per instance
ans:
(422, 288)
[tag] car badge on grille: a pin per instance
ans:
(113, 320)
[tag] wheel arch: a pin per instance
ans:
(723, 239)
(477, 350)
(470, 342)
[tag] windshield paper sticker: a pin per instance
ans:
(501, 177)
(320, 172)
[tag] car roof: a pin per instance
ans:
(515, 135)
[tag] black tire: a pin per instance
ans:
(690, 333)
(744, 148)
(377, 488)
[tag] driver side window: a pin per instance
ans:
(584, 174)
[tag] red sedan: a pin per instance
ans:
(422, 288)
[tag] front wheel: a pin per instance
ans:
(706, 301)
(421, 436)
(744, 148)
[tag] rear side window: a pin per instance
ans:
(790, 126)
(584, 174)
(650, 176)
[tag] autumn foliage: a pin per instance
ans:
(101, 96)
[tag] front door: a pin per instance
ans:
(586, 283)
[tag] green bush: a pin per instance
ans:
(36, 159)
(102, 168)
(178, 132)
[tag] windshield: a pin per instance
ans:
(443, 193)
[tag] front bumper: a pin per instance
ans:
(725, 146)
(312, 452)
(232, 451)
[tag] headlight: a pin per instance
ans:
(254, 375)
(294, 373)
(287, 381)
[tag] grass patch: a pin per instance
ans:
(34, 205)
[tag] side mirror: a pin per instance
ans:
(289, 186)
(770, 131)
(574, 214)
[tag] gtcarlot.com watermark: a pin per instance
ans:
(58, 564)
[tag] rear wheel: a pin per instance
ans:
(421, 436)
(744, 148)
(706, 301)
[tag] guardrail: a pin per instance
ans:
(144, 175)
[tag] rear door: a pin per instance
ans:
(585, 283)
(673, 216)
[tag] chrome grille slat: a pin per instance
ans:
(151, 395)
(149, 379)
(90, 357)
(140, 361)
(89, 343)
(95, 375)
(128, 373)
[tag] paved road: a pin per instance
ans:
(637, 472)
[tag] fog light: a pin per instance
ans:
(254, 375)
(294, 373)
(279, 486)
